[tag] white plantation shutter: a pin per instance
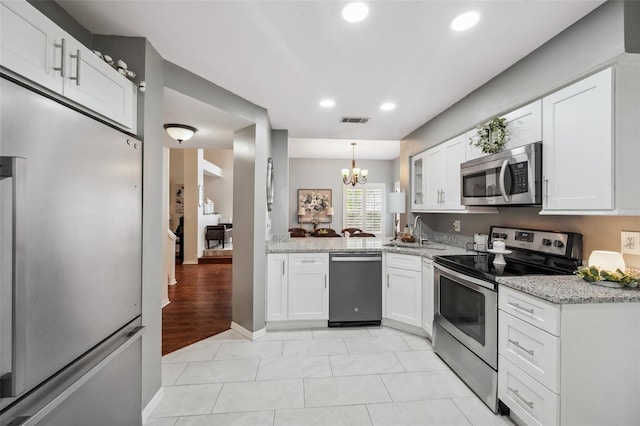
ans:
(364, 208)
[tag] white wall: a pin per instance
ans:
(220, 189)
(308, 173)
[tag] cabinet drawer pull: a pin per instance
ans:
(520, 397)
(522, 308)
(63, 53)
(307, 261)
(78, 59)
(517, 345)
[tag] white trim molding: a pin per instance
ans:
(246, 333)
(146, 412)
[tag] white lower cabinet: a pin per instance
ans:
(427, 296)
(277, 287)
(403, 289)
(297, 286)
(568, 364)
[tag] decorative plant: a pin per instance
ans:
(594, 274)
(492, 136)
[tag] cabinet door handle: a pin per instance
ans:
(325, 280)
(78, 59)
(387, 280)
(517, 345)
(522, 308)
(283, 267)
(63, 53)
(520, 397)
(443, 196)
(546, 190)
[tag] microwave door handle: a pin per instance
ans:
(12, 383)
(503, 187)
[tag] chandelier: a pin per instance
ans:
(357, 176)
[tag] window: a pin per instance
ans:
(364, 208)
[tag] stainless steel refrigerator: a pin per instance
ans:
(70, 277)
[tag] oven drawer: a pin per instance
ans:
(535, 351)
(532, 310)
(404, 261)
(527, 398)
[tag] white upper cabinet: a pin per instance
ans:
(442, 177)
(578, 146)
(524, 126)
(590, 149)
(417, 181)
(35, 48)
(31, 45)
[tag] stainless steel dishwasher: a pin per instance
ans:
(355, 289)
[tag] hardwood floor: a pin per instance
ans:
(200, 305)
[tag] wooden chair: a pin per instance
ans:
(297, 232)
(217, 232)
(324, 232)
(351, 231)
(328, 235)
(362, 234)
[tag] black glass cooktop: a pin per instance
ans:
(481, 266)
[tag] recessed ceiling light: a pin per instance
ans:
(388, 106)
(465, 21)
(327, 103)
(355, 12)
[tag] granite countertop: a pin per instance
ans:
(328, 244)
(569, 289)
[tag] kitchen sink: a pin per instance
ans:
(417, 246)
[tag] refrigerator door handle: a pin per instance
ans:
(132, 336)
(12, 383)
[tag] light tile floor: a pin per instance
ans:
(332, 377)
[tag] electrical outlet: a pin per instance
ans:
(456, 225)
(630, 242)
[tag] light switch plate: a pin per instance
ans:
(630, 242)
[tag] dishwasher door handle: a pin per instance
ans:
(357, 259)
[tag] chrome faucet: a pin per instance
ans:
(421, 238)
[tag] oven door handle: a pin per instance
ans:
(468, 281)
(503, 186)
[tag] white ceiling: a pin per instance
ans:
(215, 127)
(342, 149)
(287, 55)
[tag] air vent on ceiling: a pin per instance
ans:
(360, 120)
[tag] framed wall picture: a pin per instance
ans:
(315, 204)
(180, 198)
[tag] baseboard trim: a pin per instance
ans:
(253, 335)
(387, 322)
(190, 262)
(173, 282)
(146, 412)
(165, 302)
(296, 325)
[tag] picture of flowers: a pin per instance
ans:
(315, 203)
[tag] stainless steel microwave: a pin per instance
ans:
(512, 177)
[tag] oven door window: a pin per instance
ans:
(464, 308)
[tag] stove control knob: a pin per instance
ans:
(558, 243)
(546, 242)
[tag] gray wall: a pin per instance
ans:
(249, 201)
(312, 173)
(64, 20)
(280, 155)
(589, 45)
(220, 189)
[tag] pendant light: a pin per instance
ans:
(357, 176)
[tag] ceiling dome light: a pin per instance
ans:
(388, 106)
(327, 103)
(465, 21)
(180, 132)
(355, 12)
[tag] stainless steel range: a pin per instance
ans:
(466, 298)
